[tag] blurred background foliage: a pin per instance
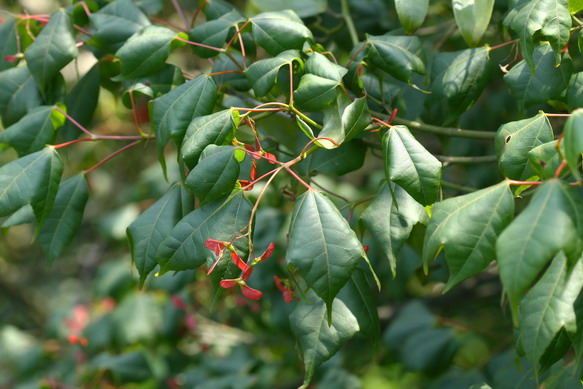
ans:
(84, 323)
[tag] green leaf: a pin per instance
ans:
(8, 37)
(65, 218)
(390, 218)
(52, 49)
(472, 18)
(575, 6)
(552, 222)
(548, 307)
(145, 52)
(514, 140)
(355, 118)
(318, 340)
(458, 80)
(573, 141)
(411, 14)
(115, 23)
(221, 220)
(303, 8)
(430, 350)
(545, 159)
(339, 161)
(19, 94)
(153, 85)
(172, 113)
(31, 133)
(149, 230)
(315, 93)
(400, 56)
(216, 173)
(413, 318)
(318, 65)
(575, 91)
(214, 9)
(236, 80)
(547, 20)
(81, 102)
(213, 33)
(410, 165)
(218, 129)
(33, 179)
(24, 215)
(279, 31)
(467, 227)
(546, 82)
(359, 299)
(263, 74)
(322, 246)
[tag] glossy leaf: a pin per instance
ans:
(547, 20)
(551, 222)
(279, 31)
(221, 220)
(545, 159)
(339, 161)
(115, 23)
(8, 37)
(467, 227)
(319, 65)
(65, 218)
(172, 113)
(263, 74)
(315, 93)
(573, 141)
(400, 56)
(472, 18)
(322, 246)
(411, 14)
(546, 82)
(81, 102)
(410, 165)
(217, 129)
(355, 118)
(216, 173)
(32, 133)
(575, 6)
(145, 52)
(390, 218)
(213, 33)
(52, 49)
(318, 340)
(149, 230)
(515, 140)
(548, 307)
(303, 8)
(19, 94)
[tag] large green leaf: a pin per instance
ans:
(116, 23)
(344, 120)
(218, 129)
(458, 80)
(548, 307)
(319, 65)
(263, 74)
(213, 33)
(172, 113)
(573, 141)
(149, 230)
(221, 220)
(472, 18)
(81, 102)
(410, 165)
(145, 52)
(315, 93)
(467, 228)
(547, 20)
(400, 56)
(18, 94)
(33, 179)
(339, 161)
(31, 133)
(8, 37)
(575, 6)
(279, 31)
(318, 340)
(514, 140)
(65, 218)
(216, 173)
(52, 49)
(322, 246)
(390, 218)
(153, 85)
(411, 13)
(546, 82)
(552, 222)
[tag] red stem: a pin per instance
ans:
(255, 181)
(75, 122)
(557, 115)
(224, 72)
(200, 45)
(200, 8)
(73, 142)
(504, 44)
(135, 113)
(298, 178)
(167, 22)
(560, 168)
(355, 55)
(110, 156)
(516, 182)
(180, 13)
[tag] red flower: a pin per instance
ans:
(216, 246)
(267, 252)
(249, 292)
(285, 288)
(228, 283)
(238, 261)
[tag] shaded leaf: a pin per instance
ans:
(413, 318)
(24, 215)
(472, 18)
(573, 141)
(575, 91)
(339, 161)
(430, 350)
(411, 14)
(81, 102)
(400, 56)
(410, 165)
(8, 37)
(263, 74)
(213, 33)
(31, 133)
(279, 31)
(19, 94)
(514, 140)
(545, 159)
(467, 227)
(153, 85)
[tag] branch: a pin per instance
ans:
(349, 22)
(448, 160)
(446, 131)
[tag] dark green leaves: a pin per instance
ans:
(322, 246)
(545, 159)
(263, 74)
(8, 37)
(467, 227)
(213, 33)
(53, 48)
(81, 102)
(514, 140)
(472, 18)
(411, 14)
(410, 165)
(149, 230)
(32, 132)
(343, 121)
(18, 94)
(552, 222)
(400, 56)
(279, 31)
(573, 141)
(221, 220)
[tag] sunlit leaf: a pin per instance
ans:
(411, 14)
(400, 56)
(279, 31)
(31, 133)
(573, 141)
(472, 18)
